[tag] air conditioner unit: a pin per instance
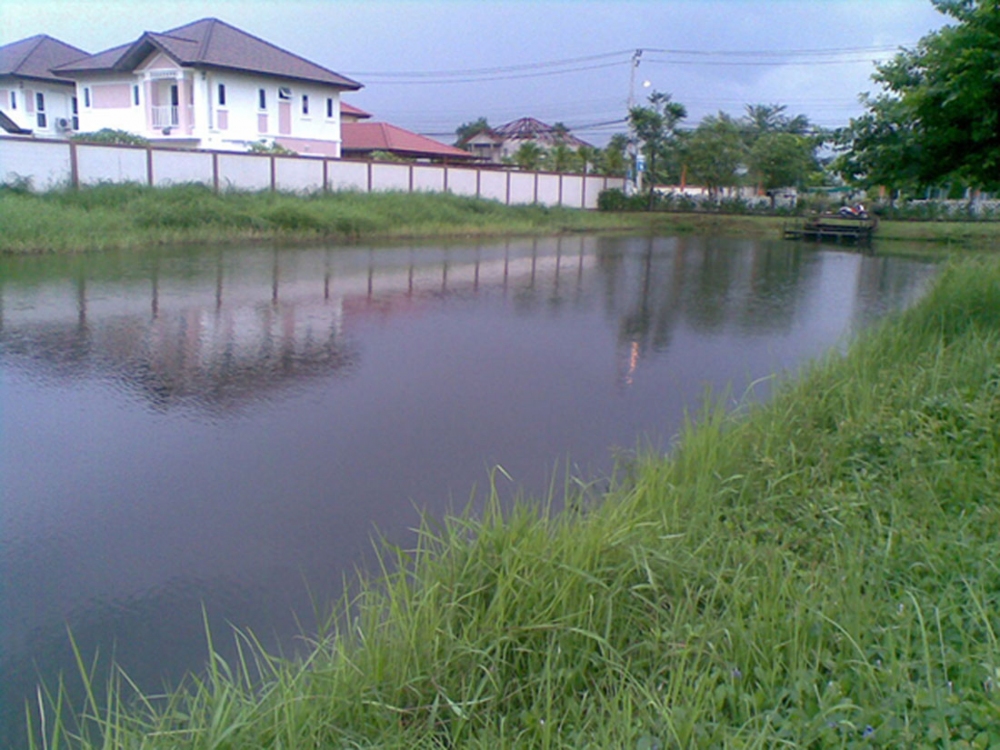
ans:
(62, 124)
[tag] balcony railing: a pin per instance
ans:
(165, 117)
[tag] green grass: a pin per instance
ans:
(123, 217)
(820, 571)
(133, 217)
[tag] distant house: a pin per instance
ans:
(210, 85)
(34, 100)
(350, 113)
(363, 139)
(500, 143)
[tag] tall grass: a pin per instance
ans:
(131, 216)
(821, 571)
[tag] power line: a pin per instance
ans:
(573, 64)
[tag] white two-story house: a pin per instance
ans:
(33, 100)
(210, 85)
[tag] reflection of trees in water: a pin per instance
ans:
(652, 284)
(215, 351)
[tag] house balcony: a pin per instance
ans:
(165, 117)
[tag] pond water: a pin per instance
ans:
(229, 428)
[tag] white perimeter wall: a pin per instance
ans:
(50, 163)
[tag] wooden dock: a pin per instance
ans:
(833, 228)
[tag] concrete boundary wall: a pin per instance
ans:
(51, 164)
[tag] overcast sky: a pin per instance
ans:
(429, 65)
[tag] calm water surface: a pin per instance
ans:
(230, 427)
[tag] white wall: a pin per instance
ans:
(45, 163)
(462, 181)
(522, 187)
(57, 98)
(48, 163)
(103, 163)
(173, 167)
(131, 118)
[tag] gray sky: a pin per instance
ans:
(814, 56)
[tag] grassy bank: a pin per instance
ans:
(123, 217)
(820, 571)
(134, 217)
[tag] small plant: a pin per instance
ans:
(264, 147)
(112, 136)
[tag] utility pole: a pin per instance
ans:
(633, 180)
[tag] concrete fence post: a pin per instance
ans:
(74, 167)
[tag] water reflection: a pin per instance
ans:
(227, 426)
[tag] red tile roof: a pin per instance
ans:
(365, 137)
(211, 43)
(350, 109)
(35, 56)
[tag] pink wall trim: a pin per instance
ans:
(222, 119)
(158, 61)
(310, 147)
(261, 123)
(111, 96)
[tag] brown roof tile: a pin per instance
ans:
(212, 43)
(35, 57)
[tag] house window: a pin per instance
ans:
(284, 93)
(135, 95)
(305, 104)
(329, 108)
(13, 100)
(86, 96)
(222, 95)
(75, 105)
(261, 99)
(40, 108)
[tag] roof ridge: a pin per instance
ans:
(207, 39)
(272, 45)
(24, 58)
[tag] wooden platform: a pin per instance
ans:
(832, 228)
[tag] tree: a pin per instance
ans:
(781, 159)
(529, 155)
(938, 118)
(614, 158)
(880, 148)
(771, 118)
(655, 126)
(715, 152)
(561, 158)
(468, 130)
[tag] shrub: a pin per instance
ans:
(611, 200)
(112, 136)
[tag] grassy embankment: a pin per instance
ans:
(819, 571)
(123, 217)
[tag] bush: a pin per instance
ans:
(611, 200)
(112, 136)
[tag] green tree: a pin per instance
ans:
(781, 159)
(589, 159)
(771, 118)
(715, 152)
(880, 148)
(468, 130)
(561, 158)
(656, 127)
(947, 122)
(529, 155)
(614, 157)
